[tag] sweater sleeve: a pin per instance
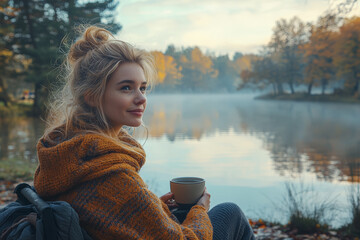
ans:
(119, 206)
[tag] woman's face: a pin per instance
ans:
(124, 100)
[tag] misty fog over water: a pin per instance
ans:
(246, 149)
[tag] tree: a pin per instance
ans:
(237, 55)
(319, 53)
(285, 42)
(7, 60)
(227, 73)
(265, 71)
(347, 56)
(39, 29)
(197, 69)
(245, 62)
(169, 74)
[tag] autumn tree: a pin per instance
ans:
(266, 71)
(285, 42)
(197, 69)
(319, 53)
(244, 62)
(347, 56)
(169, 74)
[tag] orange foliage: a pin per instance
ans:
(318, 52)
(245, 62)
(347, 55)
(202, 63)
(166, 68)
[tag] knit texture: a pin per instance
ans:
(230, 223)
(99, 177)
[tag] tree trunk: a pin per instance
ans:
(30, 23)
(356, 88)
(4, 96)
(36, 107)
(280, 89)
(291, 85)
(310, 88)
(71, 12)
(323, 86)
(274, 88)
(4, 139)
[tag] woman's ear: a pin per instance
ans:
(89, 99)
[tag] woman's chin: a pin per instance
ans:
(135, 124)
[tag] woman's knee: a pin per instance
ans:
(229, 222)
(229, 210)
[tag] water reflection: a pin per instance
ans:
(323, 139)
(320, 138)
(18, 138)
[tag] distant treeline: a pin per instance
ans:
(313, 55)
(190, 70)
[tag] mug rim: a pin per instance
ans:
(178, 180)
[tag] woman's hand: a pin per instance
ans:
(169, 200)
(205, 200)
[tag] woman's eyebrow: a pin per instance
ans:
(129, 81)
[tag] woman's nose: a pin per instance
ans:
(140, 98)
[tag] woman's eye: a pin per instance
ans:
(143, 89)
(126, 88)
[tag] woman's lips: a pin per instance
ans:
(138, 112)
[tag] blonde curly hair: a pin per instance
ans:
(89, 65)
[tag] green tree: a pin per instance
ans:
(39, 29)
(227, 72)
(7, 60)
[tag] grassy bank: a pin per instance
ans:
(310, 215)
(15, 109)
(303, 97)
(14, 168)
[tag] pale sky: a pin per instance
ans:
(219, 26)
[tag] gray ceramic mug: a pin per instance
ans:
(187, 190)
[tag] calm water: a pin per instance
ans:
(244, 148)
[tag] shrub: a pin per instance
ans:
(307, 213)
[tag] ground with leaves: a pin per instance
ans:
(264, 230)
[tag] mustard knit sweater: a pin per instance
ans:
(99, 177)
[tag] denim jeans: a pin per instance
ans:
(228, 221)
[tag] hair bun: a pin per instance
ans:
(92, 38)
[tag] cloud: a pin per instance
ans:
(217, 26)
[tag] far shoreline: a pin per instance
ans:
(303, 97)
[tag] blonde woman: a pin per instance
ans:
(88, 160)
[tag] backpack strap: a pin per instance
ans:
(26, 194)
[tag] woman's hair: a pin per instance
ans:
(88, 67)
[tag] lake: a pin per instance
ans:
(246, 149)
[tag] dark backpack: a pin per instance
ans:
(31, 218)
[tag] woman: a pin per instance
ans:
(88, 160)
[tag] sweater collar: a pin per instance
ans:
(64, 164)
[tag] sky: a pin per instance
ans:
(216, 26)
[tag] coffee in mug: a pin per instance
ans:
(187, 190)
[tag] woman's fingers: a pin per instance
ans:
(166, 197)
